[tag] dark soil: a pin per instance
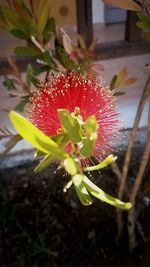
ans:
(40, 226)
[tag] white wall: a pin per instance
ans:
(98, 11)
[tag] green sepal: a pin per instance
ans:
(102, 164)
(70, 166)
(81, 191)
(35, 137)
(71, 125)
(89, 145)
(44, 163)
(91, 125)
(100, 194)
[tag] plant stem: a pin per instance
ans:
(135, 189)
(129, 151)
(116, 170)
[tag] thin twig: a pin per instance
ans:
(135, 189)
(116, 170)
(129, 151)
(37, 44)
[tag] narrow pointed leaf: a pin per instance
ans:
(125, 4)
(113, 82)
(39, 154)
(44, 163)
(27, 51)
(128, 82)
(82, 192)
(119, 93)
(19, 34)
(100, 194)
(21, 105)
(102, 164)
(121, 76)
(44, 12)
(64, 59)
(35, 137)
(81, 41)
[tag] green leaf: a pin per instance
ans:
(39, 154)
(43, 15)
(64, 59)
(13, 20)
(8, 83)
(144, 18)
(27, 51)
(81, 41)
(44, 163)
(34, 80)
(31, 77)
(113, 82)
(119, 93)
(70, 125)
(50, 27)
(23, 13)
(100, 194)
(143, 25)
(21, 105)
(19, 34)
(70, 166)
(41, 70)
(35, 137)
(110, 159)
(82, 193)
(28, 74)
(47, 59)
(10, 17)
(125, 4)
(121, 76)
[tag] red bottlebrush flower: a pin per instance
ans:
(70, 90)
